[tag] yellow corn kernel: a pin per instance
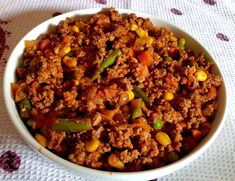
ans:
(70, 61)
(157, 55)
(159, 45)
(75, 29)
(173, 39)
(163, 138)
(168, 96)
(149, 40)
(139, 42)
(134, 27)
(41, 139)
(64, 51)
(131, 95)
(92, 145)
(115, 162)
(141, 33)
(201, 75)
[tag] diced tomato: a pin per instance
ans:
(146, 58)
(174, 53)
(196, 134)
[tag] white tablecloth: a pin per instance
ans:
(212, 22)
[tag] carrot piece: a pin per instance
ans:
(212, 92)
(144, 72)
(130, 52)
(146, 58)
(169, 80)
(196, 134)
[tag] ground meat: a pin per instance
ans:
(55, 140)
(120, 137)
(106, 87)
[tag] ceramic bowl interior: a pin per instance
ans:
(9, 77)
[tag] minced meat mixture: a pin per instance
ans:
(115, 93)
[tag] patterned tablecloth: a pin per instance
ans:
(212, 22)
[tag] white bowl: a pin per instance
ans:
(9, 77)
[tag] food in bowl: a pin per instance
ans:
(115, 92)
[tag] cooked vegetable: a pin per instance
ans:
(109, 61)
(146, 58)
(196, 134)
(72, 125)
(134, 27)
(168, 58)
(168, 96)
(70, 61)
(25, 108)
(92, 145)
(75, 29)
(141, 33)
(136, 108)
(181, 43)
(41, 139)
(64, 50)
(131, 95)
(158, 124)
(138, 92)
(173, 39)
(163, 138)
(115, 162)
(201, 75)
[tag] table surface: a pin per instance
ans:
(210, 21)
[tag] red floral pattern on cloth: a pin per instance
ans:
(222, 37)
(176, 11)
(10, 161)
(101, 1)
(210, 2)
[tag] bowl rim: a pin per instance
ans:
(152, 173)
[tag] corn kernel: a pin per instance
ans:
(168, 96)
(70, 61)
(157, 55)
(75, 29)
(115, 162)
(64, 51)
(159, 45)
(149, 40)
(134, 27)
(163, 138)
(41, 139)
(139, 42)
(131, 95)
(173, 39)
(201, 75)
(141, 33)
(92, 145)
